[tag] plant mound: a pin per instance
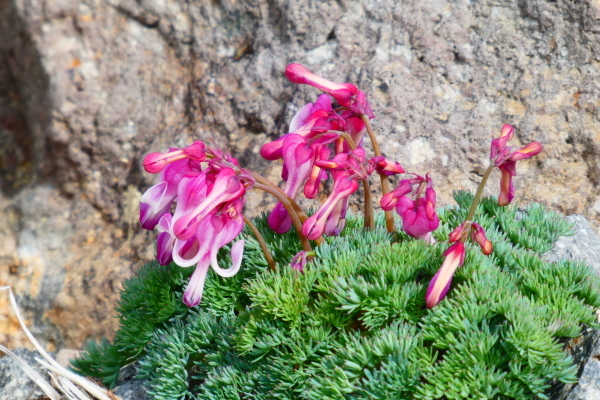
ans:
(354, 325)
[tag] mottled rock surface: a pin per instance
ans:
(583, 245)
(14, 383)
(88, 87)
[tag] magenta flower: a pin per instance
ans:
(505, 158)
(419, 218)
(155, 162)
(440, 283)
(165, 242)
(208, 214)
(346, 94)
(343, 186)
(299, 261)
(213, 233)
(200, 196)
(346, 169)
(317, 174)
(312, 119)
(455, 255)
(298, 161)
(384, 166)
(158, 199)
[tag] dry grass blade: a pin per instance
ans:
(51, 364)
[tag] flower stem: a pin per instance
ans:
(385, 183)
(262, 243)
(479, 192)
(369, 220)
(279, 195)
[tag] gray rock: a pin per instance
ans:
(583, 246)
(14, 383)
(585, 351)
(129, 388)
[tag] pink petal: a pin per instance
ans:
(440, 283)
(279, 220)
(237, 252)
(155, 202)
(342, 92)
(532, 149)
(193, 293)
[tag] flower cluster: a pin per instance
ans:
(198, 202)
(317, 132)
(419, 218)
(208, 212)
(320, 131)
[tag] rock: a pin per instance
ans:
(14, 383)
(87, 88)
(583, 245)
(129, 388)
(585, 351)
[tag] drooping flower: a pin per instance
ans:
(158, 199)
(346, 94)
(441, 281)
(213, 233)
(299, 159)
(419, 218)
(505, 158)
(300, 260)
(454, 258)
(199, 196)
(386, 167)
(208, 214)
(155, 162)
(312, 119)
(347, 169)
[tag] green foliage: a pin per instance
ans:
(354, 325)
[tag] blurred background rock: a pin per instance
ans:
(87, 88)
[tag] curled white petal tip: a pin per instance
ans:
(237, 253)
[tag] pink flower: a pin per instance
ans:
(299, 261)
(213, 233)
(343, 186)
(155, 162)
(384, 166)
(310, 120)
(165, 242)
(347, 169)
(419, 218)
(200, 196)
(298, 159)
(440, 283)
(346, 94)
(505, 158)
(158, 199)
(455, 255)
(208, 214)
(473, 230)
